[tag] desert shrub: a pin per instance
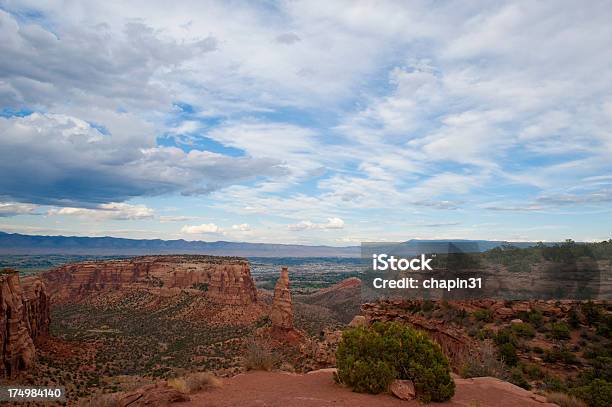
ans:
(505, 335)
(485, 315)
(428, 306)
(554, 384)
(523, 330)
(592, 313)
(560, 355)
(369, 358)
(559, 330)
(259, 356)
(178, 383)
(535, 318)
(597, 394)
(507, 353)
(533, 372)
(201, 381)
(518, 378)
(483, 363)
(564, 400)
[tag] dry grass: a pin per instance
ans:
(259, 356)
(194, 382)
(483, 362)
(103, 400)
(564, 400)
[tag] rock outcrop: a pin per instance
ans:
(158, 395)
(282, 307)
(24, 317)
(225, 280)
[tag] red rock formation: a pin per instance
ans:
(225, 280)
(24, 317)
(282, 307)
(158, 395)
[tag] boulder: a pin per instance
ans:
(358, 320)
(403, 389)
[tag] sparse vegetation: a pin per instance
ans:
(259, 356)
(564, 400)
(484, 362)
(194, 382)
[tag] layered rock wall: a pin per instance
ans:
(24, 317)
(225, 280)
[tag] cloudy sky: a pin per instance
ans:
(316, 122)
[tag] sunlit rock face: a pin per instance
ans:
(225, 280)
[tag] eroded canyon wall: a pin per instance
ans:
(225, 280)
(24, 318)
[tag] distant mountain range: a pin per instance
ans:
(14, 243)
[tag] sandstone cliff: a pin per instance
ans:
(24, 317)
(282, 307)
(225, 280)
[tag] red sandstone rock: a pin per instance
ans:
(282, 307)
(358, 320)
(225, 280)
(153, 395)
(24, 317)
(403, 389)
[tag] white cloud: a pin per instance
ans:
(113, 210)
(205, 228)
(62, 160)
(13, 209)
(332, 223)
(243, 227)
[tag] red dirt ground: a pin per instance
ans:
(317, 389)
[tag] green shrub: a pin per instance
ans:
(485, 315)
(507, 352)
(523, 330)
(505, 335)
(597, 394)
(370, 358)
(518, 378)
(559, 330)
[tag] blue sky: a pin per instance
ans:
(307, 122)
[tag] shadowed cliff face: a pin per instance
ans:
(225, 280)
(24, 317)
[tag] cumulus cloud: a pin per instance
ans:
(64, 161)
(332, 223)
(114, 210)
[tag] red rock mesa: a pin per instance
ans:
(225, 280)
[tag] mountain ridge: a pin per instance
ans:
(16, 243)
